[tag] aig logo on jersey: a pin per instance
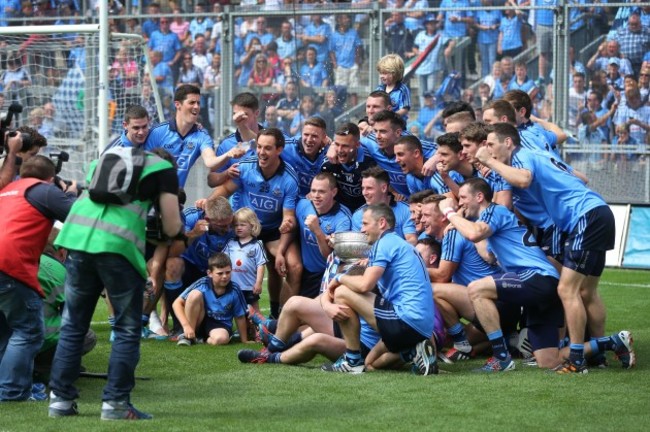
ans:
(396, 177)
(350, 189)
(309, 237)
(264, 203)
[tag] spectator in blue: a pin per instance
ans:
(288, 44)
(307, 110)
(521, 81)
(313, 73)
(487, 24)
(544, 19)
(399, 39)
(289, 106)
(576, 14)
(201, 24)
(594, 105)
(414, 21)
(634, 40)
(272, 120)
(151, 24)
(428, 110)
(286, 73)
(317, 35)
(247, 61)
(165, 41)
(261, 33)
(509, 41)
(455, 24)
(606, 50)
(430, 70)
(614, 77)
(163, 75)
(346, 53)
(8, 9)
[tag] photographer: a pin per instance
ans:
(28, 208)
(105, 244)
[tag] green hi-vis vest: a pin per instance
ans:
(108, 228)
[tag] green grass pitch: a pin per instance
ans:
(206, 388)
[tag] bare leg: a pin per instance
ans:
(218, 336)
(300, 311)
(574, 310)
(594, 306)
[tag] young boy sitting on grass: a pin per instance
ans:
(207, 307)
(391, 72)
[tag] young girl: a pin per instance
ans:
(247, 255)
(391, 72)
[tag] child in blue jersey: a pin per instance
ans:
(248, 256)
(391, 72)
(206, 308)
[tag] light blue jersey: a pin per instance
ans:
(229, 143)
(514, 246)
(202, 248)
(496, 182)
(389, 164)
(435, 182)
(405, 281)
(336, 220)
(535, 137)
(120, 141)
(564, 196)
(267, 197)
(306, 169)
(322, 49)
(403, 223)
(185, 150)
(344, 46)
(246, 258)
(457, 249)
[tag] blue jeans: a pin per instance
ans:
(88, 275)
(488, 57)
(21, 335)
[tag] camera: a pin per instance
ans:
(14, 108)
(58, 159)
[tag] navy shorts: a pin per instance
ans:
(552, 240)
(191, 273)
(586, 246)
(543, 336)
(397, 335)
(210, 324)
(509, 317)
(269, 235)
(250, 297)
(538, 294)
(310, 284)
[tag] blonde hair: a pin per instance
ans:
(246, 215)
(392, 64)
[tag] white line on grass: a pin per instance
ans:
(624, 284)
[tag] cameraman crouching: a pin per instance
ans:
(28, 208)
